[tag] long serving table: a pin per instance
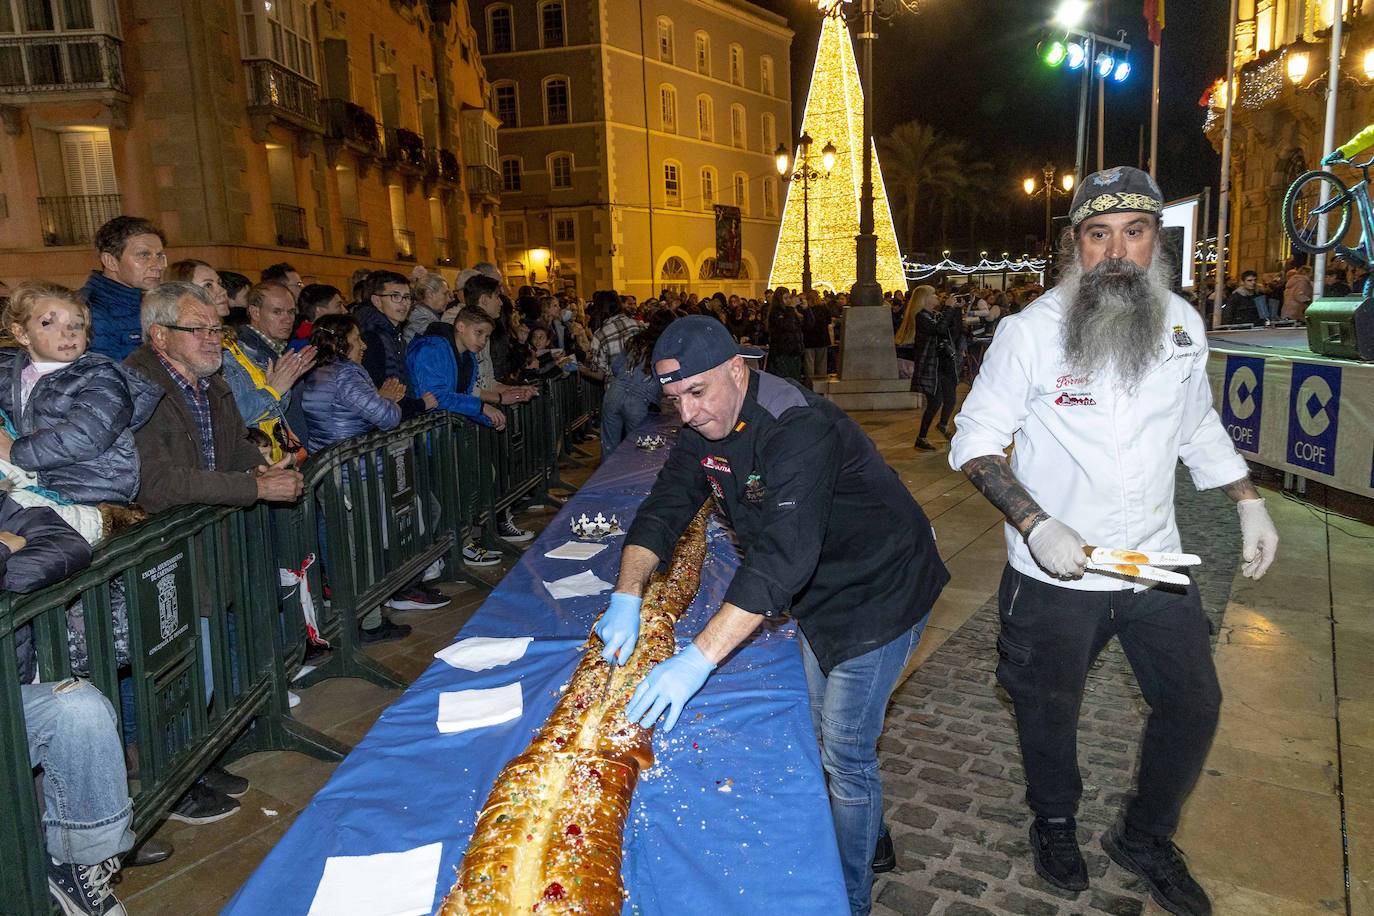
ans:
(732, 818)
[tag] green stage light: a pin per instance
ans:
(1052, 52)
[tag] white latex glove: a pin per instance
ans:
(1259, 537)
(1058, 549)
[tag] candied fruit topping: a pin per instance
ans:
(554, 892)
(574, 830)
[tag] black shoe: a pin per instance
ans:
(1057, 859)
(383, 632)
(150, 852)
(884, 855)
(417, 598)
(222, 780)
(924, 445)
(202, 805)
(84, 890)
(1157, 861)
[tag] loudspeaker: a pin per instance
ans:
(1343, 328)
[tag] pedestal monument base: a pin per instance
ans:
(868, 365)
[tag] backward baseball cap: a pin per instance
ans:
(1118, 190)
(699, 343)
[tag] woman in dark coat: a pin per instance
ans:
(934, 347)
(338, 396)
(786, 352)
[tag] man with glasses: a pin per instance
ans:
(131, 261)
(261, 371)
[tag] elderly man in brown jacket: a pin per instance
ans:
(194, 450)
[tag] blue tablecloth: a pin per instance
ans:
(733, 817)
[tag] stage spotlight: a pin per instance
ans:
(1052, 52)
(1123, 71)
(1104, 64)
(1077, 55)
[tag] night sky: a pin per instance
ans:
(969, 67)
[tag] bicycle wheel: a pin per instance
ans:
(1302, 212)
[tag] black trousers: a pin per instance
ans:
(1050, 637)
(946, 390)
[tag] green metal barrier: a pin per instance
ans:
(390, 505)
(207, 562)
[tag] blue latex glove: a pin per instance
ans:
(668, 687)
(619, 628)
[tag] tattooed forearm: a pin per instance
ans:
(1240, 489)
(992, 475)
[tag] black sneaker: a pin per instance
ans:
(222, 780)
(1157, 862)
(884, 855)
(924, 444)
(383, 632)
(202, 805)
(511, 532)
(84, 889)
(1057, 859)
(417, 598)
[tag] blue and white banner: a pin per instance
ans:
(1242, 407)
(1314, 406)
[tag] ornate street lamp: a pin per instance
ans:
(1048, 190)
(806, 173)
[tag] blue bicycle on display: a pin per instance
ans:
(1303, 209)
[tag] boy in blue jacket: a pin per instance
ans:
(443, 361)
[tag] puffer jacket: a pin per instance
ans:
(385, 356)
(441, 370)
(53, 552)
(340, 401)
(115, 328)
(77, 430)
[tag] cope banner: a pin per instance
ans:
(1314, 416)
(1242, 408)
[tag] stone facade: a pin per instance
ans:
(253, 133)
(593, 207)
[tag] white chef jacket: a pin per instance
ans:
(1098, 459)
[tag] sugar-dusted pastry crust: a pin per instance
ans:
(548, 840)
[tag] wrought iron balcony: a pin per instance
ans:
(60, 63)
(290, 226)
(405, 244)
(343, 120)
(405, 148)
(356, 240)
(74, 220)
(448, 166)
(276, 92)
(484, 181)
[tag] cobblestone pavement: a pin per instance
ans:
(952, 779)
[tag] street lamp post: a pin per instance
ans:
(1049, 190)
(866, 290)
(806, 173)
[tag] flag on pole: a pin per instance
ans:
(1154, 15)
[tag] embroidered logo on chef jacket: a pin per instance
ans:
(1075, 399)
(716, 463)
(1181, 338)
(754, 490)
(716, 489)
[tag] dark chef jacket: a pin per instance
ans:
(829, 533)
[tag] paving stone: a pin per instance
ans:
(907, 900)
(894, 764)
(940, 777)
(1116, 905)
(927, 846)
(953, 881)
(994, 865)
(1023, 905)
(960, 908)
(951, 800)
(915, 816)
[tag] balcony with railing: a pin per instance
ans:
(82, 62)
(290, 226)
(483, 183)
(405, 244)
(356, 239)
(73, 220)
(405, 148)
(278, 94)
(351, 124)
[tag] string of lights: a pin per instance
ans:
(834, 113)
(917, 271)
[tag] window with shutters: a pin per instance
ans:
(665, 40)
(500, 30)
(282, 31)
(565, 229)
(505, 105)
(766, 75)
(708, 188)
(78, 189)
(54, 45)
(672, 184)
(510, 174)
(514, 234)
(87, 162)
(706, 118)
(737, 65)
(770, 133)
(742, 193)
(557, 108)
(703, 48)
(561, 170)
(770, 197)
(737, 126)
(667, 101)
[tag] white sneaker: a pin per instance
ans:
(508, 531)
(436, 569)
(474, 555)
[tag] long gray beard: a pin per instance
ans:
(1114, 317)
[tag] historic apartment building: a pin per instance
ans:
(623, 124)
(333, 134)
(1282, 62)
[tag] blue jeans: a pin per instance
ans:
(72, 735)
(621, 412)
(847, 710)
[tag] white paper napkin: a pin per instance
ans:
(386, 884)
(584, 583)
(575, 550)
(463, 710)
(479, 653)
